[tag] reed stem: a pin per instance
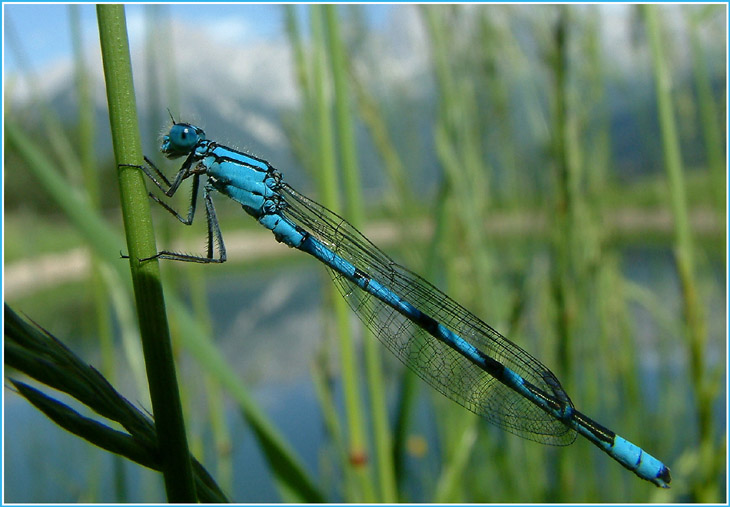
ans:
(154, 329)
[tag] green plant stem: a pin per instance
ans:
(465, 197)
(684, 248)
(328, 190)
(36, 353)
(290, 473)
(709, 115)
(154, 329)
(449, 485)
(563, 234)
(354, 210)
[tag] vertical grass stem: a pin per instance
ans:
(154, 328)
(684, 248)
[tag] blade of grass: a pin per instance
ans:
(696, 332)
(450, 484)
(154, 329)
(38, 354)
(324, 391)
(104, 241)
(563, 290)
(402, 205)
(354, 210)
(465, 197)
(708, 113)
(301, 137)
(328, 183)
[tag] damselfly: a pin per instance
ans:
(447, 346)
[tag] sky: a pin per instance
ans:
(232, 52)
(44, 32)
(232, 62)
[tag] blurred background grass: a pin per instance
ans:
(559, 170)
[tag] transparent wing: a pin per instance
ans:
(442, 367)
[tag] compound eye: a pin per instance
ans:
(184, 135)
(182, 139)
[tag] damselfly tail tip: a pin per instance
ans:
(663, 478)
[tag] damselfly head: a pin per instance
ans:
(181, 140)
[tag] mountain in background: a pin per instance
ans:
(242, 94)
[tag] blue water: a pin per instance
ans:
(272, 355)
